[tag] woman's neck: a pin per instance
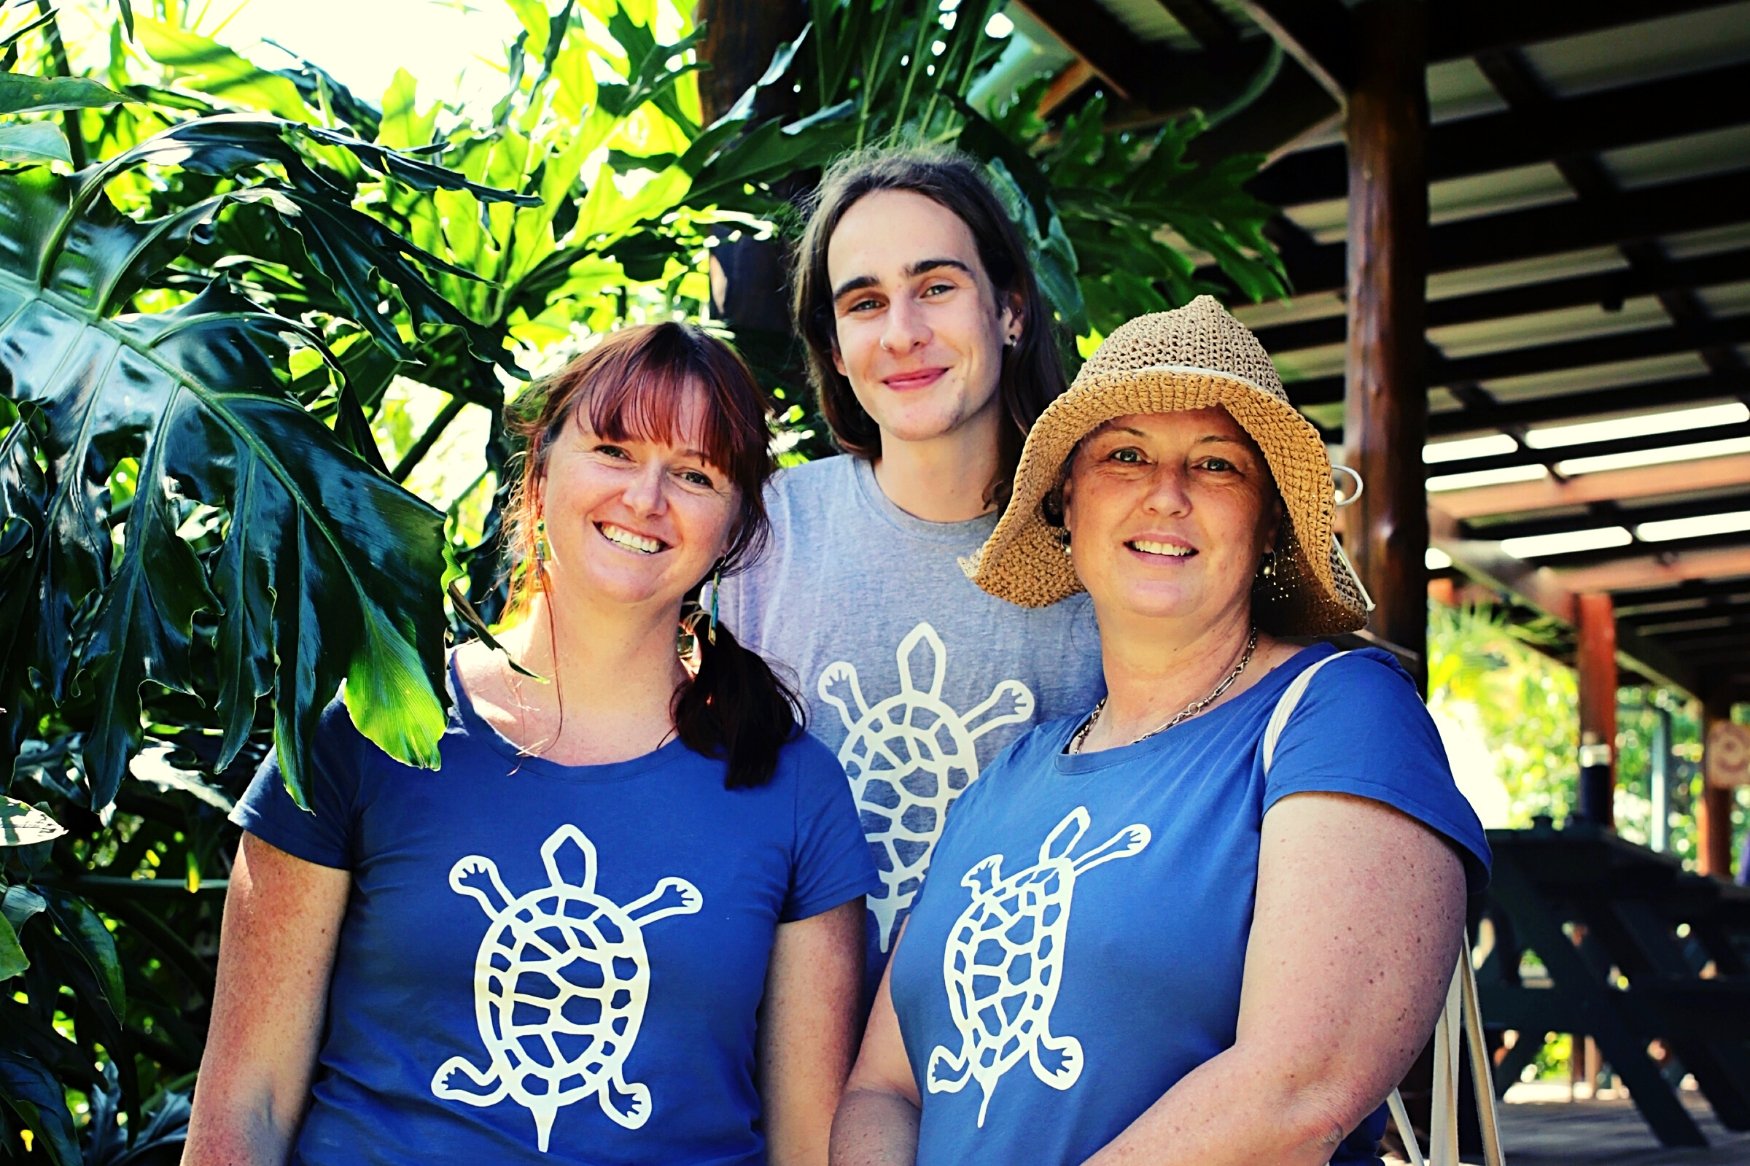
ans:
(1154, 671)
(606, 682)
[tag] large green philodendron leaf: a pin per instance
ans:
(327, 570)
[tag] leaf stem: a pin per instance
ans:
(58, 59)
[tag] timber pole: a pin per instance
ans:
(1386, 403)
(1713, 809)
(748, 276)
(1596, 663)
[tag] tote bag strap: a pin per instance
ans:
(1459, 1013)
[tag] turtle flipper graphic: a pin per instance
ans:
(1003, 962)
(909, 756)
(627, 1104)
(948, 1073)
(1065, 1068)
(561, 981)
(478, 1087)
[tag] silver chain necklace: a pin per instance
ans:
(1178, 718)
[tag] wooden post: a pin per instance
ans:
(1713, 809)
(747, 275)
(1596, 663)
(1385, 418)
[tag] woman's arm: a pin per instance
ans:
(276, 952)
(1353, 941)
(808, 1028)
(877, 1122)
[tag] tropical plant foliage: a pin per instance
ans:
(241, 310)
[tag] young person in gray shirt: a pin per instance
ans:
(932, 352)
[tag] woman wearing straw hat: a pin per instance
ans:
(1141, 939)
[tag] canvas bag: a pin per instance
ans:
(1460, 1015)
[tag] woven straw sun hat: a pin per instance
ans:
(1168, 362)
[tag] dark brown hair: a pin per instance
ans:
(634, 385)
(1031, 374)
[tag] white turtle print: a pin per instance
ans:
(1004, 963)
(560, 984)
(908, 757)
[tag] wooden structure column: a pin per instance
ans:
(748, 276)
(1385, 419)
(1713, 809)
(1595, 661)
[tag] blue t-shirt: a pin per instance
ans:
(552, 963)
(1038, 1034)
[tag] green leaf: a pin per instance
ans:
(32, 1092)
(25, 825)
(19, 904)
(219, 72)
(327, 571)
(84, 929)
(23, 93)
(12, 957)
(33, 143)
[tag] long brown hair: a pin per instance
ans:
(634, 385)
(1031, 373)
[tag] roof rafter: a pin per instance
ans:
(1317, 33)
(1616, 486)
(1627, 116)
(1468, 27)
(1609, 289)
(1554, 595)
(1646, 212)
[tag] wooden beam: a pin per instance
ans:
(1131, 67)
(1485, 561)
(1582, 406)
(1665, 569)
(1619, 486)
(1647, 212)
(1546, 591)
(1386, 404)
(1591, 123)
(1205, 21)
(1317, 33)
(1465, 28)
(1587, 352)
(1620, 445)
(1609, 290)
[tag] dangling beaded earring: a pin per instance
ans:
(716, 586)
(543, 551)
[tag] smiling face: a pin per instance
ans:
(634, 521)
(1169, 516)
(919, 332)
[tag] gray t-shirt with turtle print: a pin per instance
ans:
(912, 675)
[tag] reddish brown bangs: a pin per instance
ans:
(655, 401)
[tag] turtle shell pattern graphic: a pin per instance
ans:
(560, 985)
(1003, 964)
(908, 756)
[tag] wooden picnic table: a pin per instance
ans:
(1625, 935)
